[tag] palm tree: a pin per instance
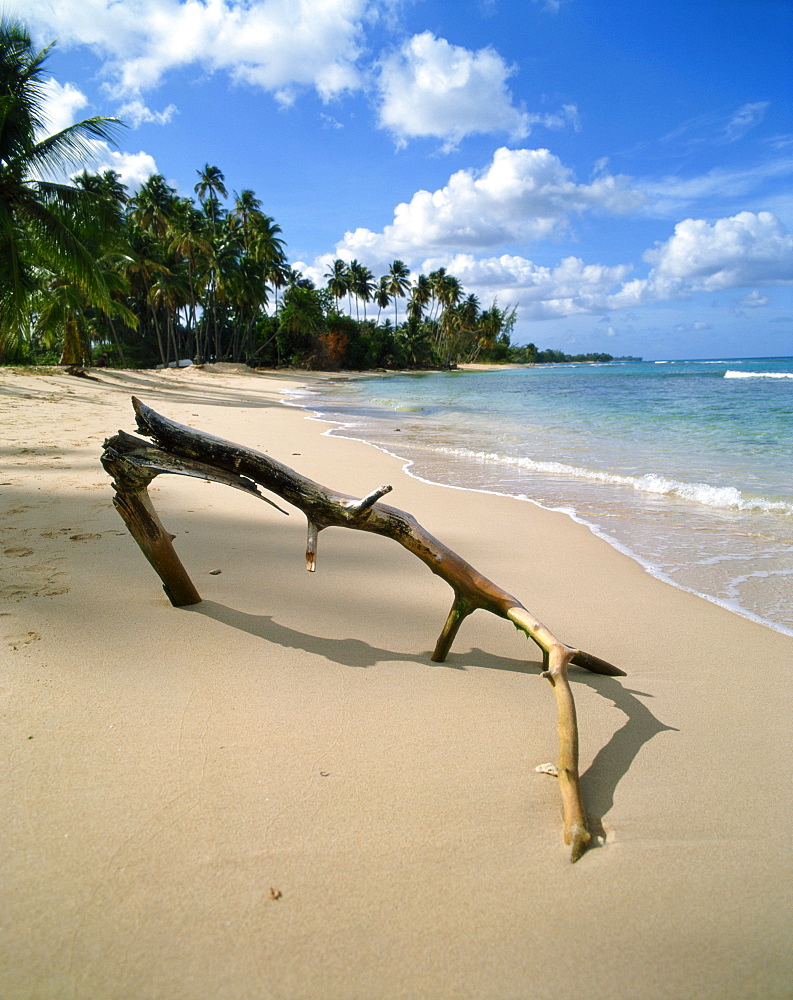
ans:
(301, 320)
(436, 282)
(448, 292)
(153, 207)
(352, 268)
(382, 296)
(107, 185)
(420, 296)
(189, 246)
(398, 283)
(338, 280)
(246, 207)
(361, 285)
(42, 223)
(267, 248)
(210, 185)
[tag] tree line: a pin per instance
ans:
(90, 271)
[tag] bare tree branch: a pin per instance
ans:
(133, 463)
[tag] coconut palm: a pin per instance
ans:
(362, 285)
(382, 296)
(267, 248)
(436, 282)
(301, 320)
(398, 283)
(42, 222)
(246, 207)
(152, 209)
(338, 280)
(188, 244)
(420, 297)
(211, 183)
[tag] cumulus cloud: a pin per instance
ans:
(274, 44)
(571, 288)
(736, 252)
(136, 113)
(428, 87)
(700, 257)
(133, 168)
(64, 104)
(431, 88)
(523, 194)
(62, 101)
(745, 249)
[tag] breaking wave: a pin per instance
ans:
(734, 374)
(725, 497)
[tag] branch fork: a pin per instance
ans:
(133, 463)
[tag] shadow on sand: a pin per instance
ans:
(600, 780)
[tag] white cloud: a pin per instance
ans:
(523, 194)
(62, 106)
(133, 168)
(743, 250)
(698, 327)
(671, 195)
(431, 88)
(755, 300)
(746, 249)
(745, 118)
(136, 113)
(62, 101)
(716, 129)
(273, 44)
(570, 288)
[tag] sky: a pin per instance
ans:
(620, 171)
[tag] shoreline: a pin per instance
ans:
(339, 429)
(275, 793)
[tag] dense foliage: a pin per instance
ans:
(91, 272)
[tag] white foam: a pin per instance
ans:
(725, 497)
(733, 374)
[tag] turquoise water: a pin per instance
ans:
(685, 465)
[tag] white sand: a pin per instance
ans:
(164, 770)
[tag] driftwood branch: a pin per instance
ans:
(133, 463)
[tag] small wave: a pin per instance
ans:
(733, 374)
(725, 497)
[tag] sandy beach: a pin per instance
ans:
(275, 793)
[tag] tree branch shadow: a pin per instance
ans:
(612, 762)
(600, 780)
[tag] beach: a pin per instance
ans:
(276, 794)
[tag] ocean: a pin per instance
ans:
(686, 466)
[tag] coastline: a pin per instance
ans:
(165, 769)
(481, 466)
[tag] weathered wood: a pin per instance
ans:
(181, 450)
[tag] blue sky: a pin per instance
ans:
(618, 170)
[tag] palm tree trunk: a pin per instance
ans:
(116, 341)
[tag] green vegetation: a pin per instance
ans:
(530, 355)
(88, 270)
